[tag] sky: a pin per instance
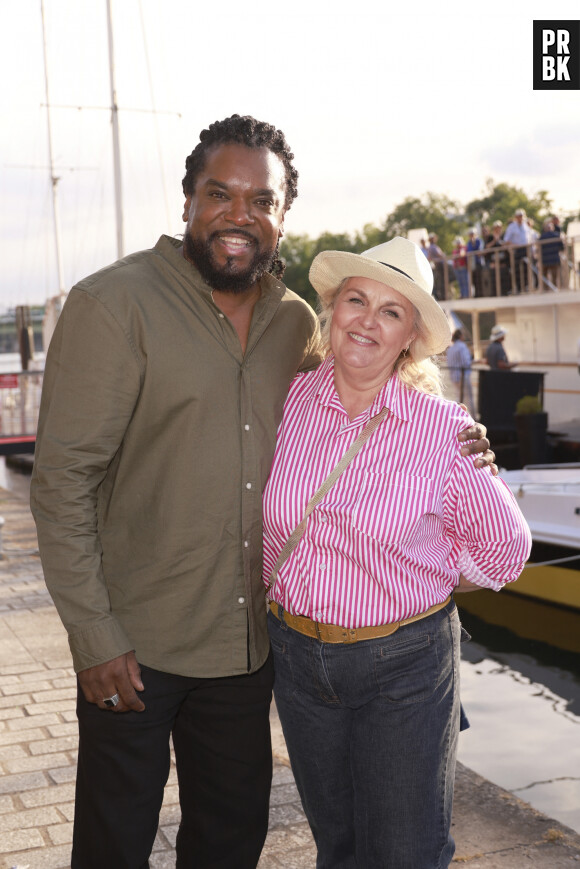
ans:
(378, 102)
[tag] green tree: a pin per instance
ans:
(501, 200)
(566, 218)
(436, 212)
(296, 251)
(299, 250)
(369, 236)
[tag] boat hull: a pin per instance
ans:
(549, 498)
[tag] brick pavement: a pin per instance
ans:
(38, 740)
(38, 732)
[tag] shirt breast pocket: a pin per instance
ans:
(392, 506)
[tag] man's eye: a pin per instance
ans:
(356, 300)
(217, 194)
(265, 203)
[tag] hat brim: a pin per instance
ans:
(331, 267)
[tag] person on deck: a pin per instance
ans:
(495, 354)
(459, 361)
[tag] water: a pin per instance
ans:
(521, 690)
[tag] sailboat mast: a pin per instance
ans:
(116, 141)
(53, 178)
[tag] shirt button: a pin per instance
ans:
(246, 428)
(323, 566)
(248, 485)
(319, 615)
(323, 519)
(246, 543)
(241, 600)
(221, 316)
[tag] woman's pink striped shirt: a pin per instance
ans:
(403, 521)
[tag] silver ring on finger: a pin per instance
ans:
(111, 702)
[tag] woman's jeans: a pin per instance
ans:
(371, 730)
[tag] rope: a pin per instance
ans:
(554, 561)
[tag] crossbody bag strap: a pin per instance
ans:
(296, 535)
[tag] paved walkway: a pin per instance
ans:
(38, 741)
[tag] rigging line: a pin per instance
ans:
(155, 118)
(554, 561)
(108, 109)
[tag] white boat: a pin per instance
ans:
(543, 332)
(549, 498)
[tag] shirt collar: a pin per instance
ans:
(393, 395)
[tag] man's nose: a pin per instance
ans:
(239, 212)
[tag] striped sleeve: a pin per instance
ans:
(493, 540)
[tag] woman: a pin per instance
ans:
(460, 266)
(550, 254)
(364, 633)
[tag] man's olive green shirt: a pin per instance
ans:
(155, 440)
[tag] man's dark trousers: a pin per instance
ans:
(221, 737)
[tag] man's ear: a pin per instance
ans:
(186, 208)
(281, 229)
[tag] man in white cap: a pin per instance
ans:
(495, 355)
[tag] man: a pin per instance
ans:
(474, 263)
(459, 364)
(164, 387)
(436, 256)
(518, 234)
(495, 355)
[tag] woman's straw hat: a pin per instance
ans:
(399, 264)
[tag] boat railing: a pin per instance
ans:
(546, 485)
(508, 269)
(19, 405)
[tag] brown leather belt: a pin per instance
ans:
(338, 634)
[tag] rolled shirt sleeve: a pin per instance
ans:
(493, 538)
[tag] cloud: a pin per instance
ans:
(547, 151)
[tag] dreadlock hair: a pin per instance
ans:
(244, 130)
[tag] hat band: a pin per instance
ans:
(389, 266)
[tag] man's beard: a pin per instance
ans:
(224, 278)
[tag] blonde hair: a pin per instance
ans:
(423, 375)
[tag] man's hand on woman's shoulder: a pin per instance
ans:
(480, 445)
